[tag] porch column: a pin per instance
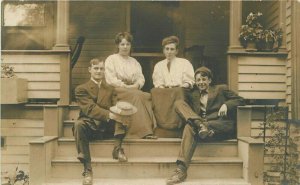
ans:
(235, 22)
(282, 23)
(62, 25)
(295, 44)
(62, 32)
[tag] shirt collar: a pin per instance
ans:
(98, 83)
(169, 61)
(204, 91)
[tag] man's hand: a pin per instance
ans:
(125, 120)
(223, 111)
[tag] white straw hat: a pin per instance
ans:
(123, 108)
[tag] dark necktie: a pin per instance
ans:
(203, 103)
(169, 65)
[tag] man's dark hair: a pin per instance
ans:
(204, 71)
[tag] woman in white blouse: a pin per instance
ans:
(125, 73)
(170, 76)
(173, 71)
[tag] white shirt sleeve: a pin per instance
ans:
(139, 77)
(157, 76)
(111, 74)
(188, 74)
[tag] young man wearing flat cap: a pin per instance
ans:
(210, 114)
(98, 118)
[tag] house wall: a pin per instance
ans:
(19, 125)
(262, 77)
(269, 9)
(207, 23)
(293, 64)
(289, 58)
(98, 22)
(271, 15)
(42, 69)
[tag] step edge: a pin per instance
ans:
(154, 160)
(207, 181)
(63, 140)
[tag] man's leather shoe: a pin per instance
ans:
(118, 153)
(178, 176)
(203, 131)
(87, 177)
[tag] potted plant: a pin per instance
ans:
(13, 89)
(269, 40)
(249, 32)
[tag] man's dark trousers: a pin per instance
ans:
(84, 132)
(222, 127)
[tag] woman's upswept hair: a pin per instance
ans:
(170, 40)
(123, 35)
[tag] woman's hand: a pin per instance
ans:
(133, 86)
(186, 85)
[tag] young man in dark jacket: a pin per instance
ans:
(210, 114)
(96, 121)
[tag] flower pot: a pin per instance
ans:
(13, 90)
(251, 46)
(269, 46)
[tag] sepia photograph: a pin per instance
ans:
(149, 92)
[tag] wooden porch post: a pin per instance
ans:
(295, 60)
(62, 25)
(62, 32)
(282, 24)
(235, 22)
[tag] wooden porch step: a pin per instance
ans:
(152, 181)
(162, 147)
(149, 167)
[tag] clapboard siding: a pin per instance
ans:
(289, 48)
(268, 61)
(41, 69)
(21, 123)
(17, 133)
(262, 95)
(28, 59)
(262, 69)
(198, 30)
(271, 14)
(98, 22)
(22, 131)
(43, 86)
(36, 68)
(19, 140)
(15, 150)
(9, 168)
(262, 87)
(257, 131)
(262, 77)
(17, 159)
